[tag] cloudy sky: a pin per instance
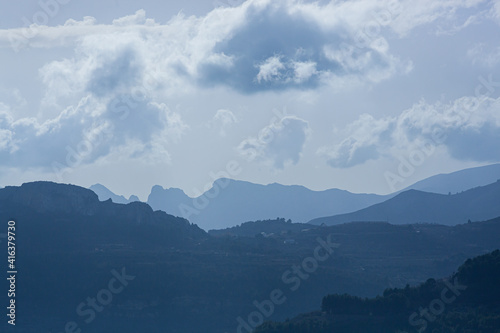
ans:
(368, 96)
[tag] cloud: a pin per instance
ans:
(361, 144)
(495, 11)
(270, 69)
(259, 45)
(469, 128)
(279, 144)
(120, 72)
(297, 72)
(453, 28)
(410, 15)
(106, 98)
(284, 45)
(223, 120)
(90, 131)
(111, 92)
(484, 55)
(139, 18)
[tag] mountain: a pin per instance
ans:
(104, 194)
(73, 209)
(458, 181)
(467, 301)
(231, 202)
(412, 206)
(147, 271)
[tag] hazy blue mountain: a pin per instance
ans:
(169, 200)
(458, 181)
(412, 206)
(104, 194)
(231, 202)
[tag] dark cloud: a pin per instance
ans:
(275, 32)
(120, 72)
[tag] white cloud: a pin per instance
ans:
(256, 46)
(454, 27)
(115, 87)
(468, 127)
(270, 69)
(363, 137)
(495, 10)
(303, 71)
(88, 132)
(411, 14)
(139, 18)
(223, 119)
(273, 70)
(484, 55)
(279, 144)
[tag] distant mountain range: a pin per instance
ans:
(412, 206)
(241, 201)
(232, 202)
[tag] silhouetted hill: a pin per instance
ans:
(231, 202)
(413, 206)
(468, 301)
(76, 212)
(69, 244)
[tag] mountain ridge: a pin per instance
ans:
(230, 202)
(69, 242)
(414, 206)
(251, 202)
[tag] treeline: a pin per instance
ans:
(467, 302)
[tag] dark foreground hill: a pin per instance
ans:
(467, 301)
(108, 267)
(477, 204)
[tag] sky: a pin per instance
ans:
(366, 96)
